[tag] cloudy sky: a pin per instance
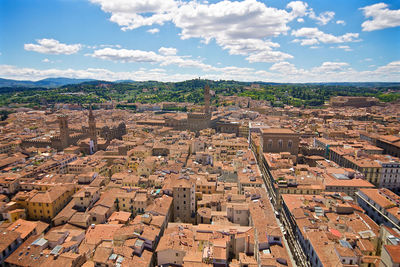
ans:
(170, 40)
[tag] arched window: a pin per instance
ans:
(270, 144)
(290, 144)
(280, 144)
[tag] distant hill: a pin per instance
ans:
(125, 81)
(49, 82)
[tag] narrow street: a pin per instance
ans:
(296, 254)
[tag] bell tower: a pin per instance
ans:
(64, 131)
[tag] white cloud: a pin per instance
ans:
(341, 22)
(134, 14)
(314, 36)
(329, 67)
(51, 46)
(323, 18)
(334, 71)
(168, 51)
(46, 60)
(299, 8)
(186, 63)
(382, 17)
(286, 68)
(345, 48)
(241, 27)
(166, 56)
(279, 72)
(153, 30)
(112, 46)
(14, 72)
(126, 55)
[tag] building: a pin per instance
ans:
(197, 121)
(390, 174)
(382, 205)
(390, 144)
(276, 140)
(390, 256)
(86, 197)
(68, 137)
(330, 230)
(238, 213)
(184, 194)
(353, 101)
(339, 183)
(45, 205)
(365, 164)
(9, 241)
(64, 131)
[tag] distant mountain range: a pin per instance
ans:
(48, 83)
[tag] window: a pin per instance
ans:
(290, 144)
(280, 144)
(269, 143)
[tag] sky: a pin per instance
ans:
(171, 40)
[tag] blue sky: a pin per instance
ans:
(169, 40)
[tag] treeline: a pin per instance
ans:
(316, 95)
(192, 91)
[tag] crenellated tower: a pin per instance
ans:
(64, 131)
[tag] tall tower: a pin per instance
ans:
(64, 131)
(92, 130)
(207, 99)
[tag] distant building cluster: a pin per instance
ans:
(242, 184)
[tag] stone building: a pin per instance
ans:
(353, 101)
(183, 191)
(201, 120)
(276, 140)
(68, 137)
